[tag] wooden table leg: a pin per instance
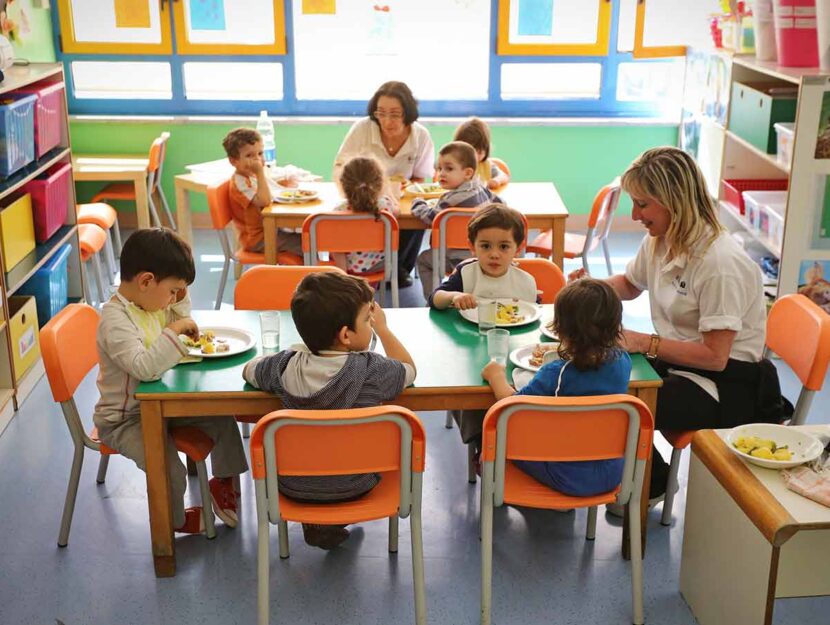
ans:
(270, 234)
(649, 397)
(183, 212)
(158, 489)
(142, 206)
(558, 242)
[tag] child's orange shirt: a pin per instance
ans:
(246, 217)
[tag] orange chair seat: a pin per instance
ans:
(100, 214)
(574, 244)
(116, 191)
(679, 439)
(92, 239)
(522, 490)
(382, 501)
(103, 450)
(258, 258)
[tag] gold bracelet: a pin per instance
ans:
(653, 346)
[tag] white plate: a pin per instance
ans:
(239, 341)
(548, 333)
(521, 357)
(427, 189)
(531, 313)
(286, 197)
(805, 446)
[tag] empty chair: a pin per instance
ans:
(92, 240)
(155, 192)
(563, 429)
(105, 217)
(549, 277)
(599, 225)
(384, 439)
(70, 352)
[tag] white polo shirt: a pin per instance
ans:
(718, 290)
(415, 159)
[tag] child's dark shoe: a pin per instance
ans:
(194, 522)
(223, 499)
(324, 536)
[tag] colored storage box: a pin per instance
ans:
(48, 285)
(733, 189)
(25, 340)
(48, 114)
(17, 132)
(17, 231)
(756, 107)
(50, 199)
(785, 138)
(760, 205)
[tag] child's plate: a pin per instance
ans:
(294, 196)
(425, 189)
(547, 331)
(526, 313)
(237, 340)
(805, 447)
(522, 357)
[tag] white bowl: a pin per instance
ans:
(804, 446)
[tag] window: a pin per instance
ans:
(326, 57)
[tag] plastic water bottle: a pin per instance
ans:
(266, 129)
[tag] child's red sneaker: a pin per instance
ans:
(194, 522)
(223, 498)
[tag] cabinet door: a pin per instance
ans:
(223, 27)
(115, 27)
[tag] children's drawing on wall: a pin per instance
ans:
(14, 20)
(813, 282)
(381, 30)
(823, 140)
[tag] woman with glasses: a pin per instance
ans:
(391, 134)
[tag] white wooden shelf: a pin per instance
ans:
(770, 158)
(773, 70)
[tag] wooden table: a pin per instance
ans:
(747, 539)
(113, 167)
(448, 352)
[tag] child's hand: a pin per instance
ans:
(378, 317)
(494, 371)
(185, 326)
(577, 274)
(464, 301)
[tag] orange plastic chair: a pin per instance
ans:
(219, 204)
(346, 231)
(383, 439)
(126, 191)
(549, 277)
(501, 165)
(798, 331)
(565, 429)
(70, 352)
(92, 240)
(599, 225)
(105, 217)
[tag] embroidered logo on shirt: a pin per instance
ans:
(679, 284)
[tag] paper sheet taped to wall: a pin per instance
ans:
(207, 15)
(132, 13)
(319, 7)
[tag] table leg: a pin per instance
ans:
(158, 489)
(270, 234)
(558, 241)
(183, 212)
(142, 206)
(649, 398)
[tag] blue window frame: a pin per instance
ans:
(606, 105)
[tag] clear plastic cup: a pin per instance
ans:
(498, 345)
(269, 324)
(486, 315)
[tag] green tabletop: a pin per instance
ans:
(447, 349)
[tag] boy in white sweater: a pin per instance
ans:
(138, 340)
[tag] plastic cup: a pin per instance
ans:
(498, 345)
(269, 324)
(486, 315)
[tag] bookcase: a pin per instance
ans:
(18, 375)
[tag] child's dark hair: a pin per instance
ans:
(588, 322)
(463, 152)
(325, 302)
(476, 133)
(362, 181)
(160, 251)
(237, 138)
(497, 216)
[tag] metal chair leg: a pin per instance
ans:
(246, 429)
(283, 534)
(591, 531)
(486, 544)
(448, 420)
(607, 256)
(109, 254)
(87, 290)
(154, 216)
(471, 463)
(71, 493)
(167, 210)
(393, 533)
(99, 278)
(191, 466)
(585, 264)
(103, 463)
(207, 508)
(262, 557)
(222, 280)
(636, 562)
(116, 237)
(671, 486)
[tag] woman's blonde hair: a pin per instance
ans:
(671, 177)
(362, 181)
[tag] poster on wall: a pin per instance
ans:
(821, 221)
(814, 282)
(823, 139)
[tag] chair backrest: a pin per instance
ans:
(568, 429)
(271, 287)
(158, 151)
(69, 350)
(549, 277)
(602, 212)
(337, 442)
(219, 205)
(798, 330)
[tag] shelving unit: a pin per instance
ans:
(15, 386)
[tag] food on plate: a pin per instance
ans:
(508, 313)
(297, 194)
(762, 448)
(537, 358)
(207, 343)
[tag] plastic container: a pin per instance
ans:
(17, 132)
(48, 114)
(760, 206)
(765, 49)
(733, 189)
(795, 32)
(823, 35)
(25, 340)
(50, 199)
(48, 285)
(17, 231)
(266, 129)
(785, 132)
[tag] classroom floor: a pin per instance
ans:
(544, 570)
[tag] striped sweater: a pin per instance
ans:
(471, 194)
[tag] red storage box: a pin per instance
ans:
(795, 33)
(50, 199)
(733, 189)
(48, 114)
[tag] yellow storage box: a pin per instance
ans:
(17, 231)
(24, 333)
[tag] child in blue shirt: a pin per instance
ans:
(588, 323)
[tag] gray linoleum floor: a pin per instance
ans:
(545, 571)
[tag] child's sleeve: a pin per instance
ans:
(249, 372)
(453, 283)
(386, 378)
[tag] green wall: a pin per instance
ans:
(578, 159)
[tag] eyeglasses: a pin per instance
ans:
(384, 115)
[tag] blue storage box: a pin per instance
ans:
(49, 285)
(17, 131)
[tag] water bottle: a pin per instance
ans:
(266, 129)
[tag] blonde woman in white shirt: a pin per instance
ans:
(707, 305)
(404, 148)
